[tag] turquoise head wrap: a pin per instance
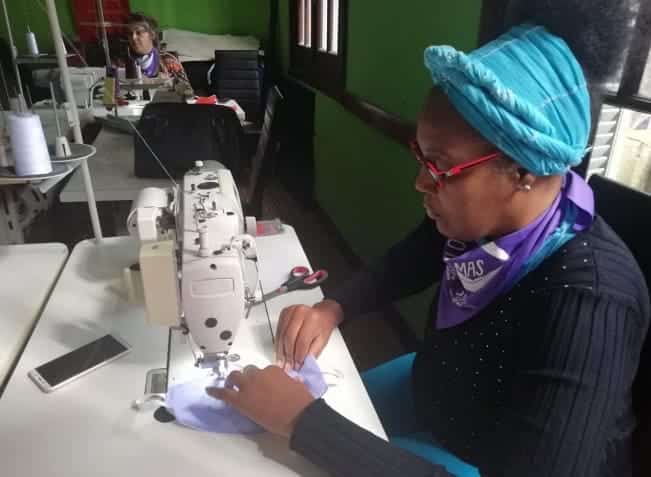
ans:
(524, 92)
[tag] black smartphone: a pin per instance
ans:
(68, 367)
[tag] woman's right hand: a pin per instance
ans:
(304, 330)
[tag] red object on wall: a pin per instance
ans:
(86, 22)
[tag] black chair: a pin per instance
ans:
(197, 72)
(262, 161)
(612, 199)
(237, 75)
(181, 134)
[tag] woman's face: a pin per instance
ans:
(476, 203)
(141, 39)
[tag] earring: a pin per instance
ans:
(526, 187)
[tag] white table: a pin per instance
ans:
(87, 428)
(133, 109)
(112, 172)
(28, 274)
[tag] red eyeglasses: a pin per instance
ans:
(438, 175)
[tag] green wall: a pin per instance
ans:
(364, 180)
(238, 17)
(24, 13)
(385, 47)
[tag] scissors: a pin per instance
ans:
(300, 278)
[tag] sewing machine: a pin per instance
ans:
(197, 261)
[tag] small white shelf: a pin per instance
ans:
(43, 58)
(79, 153)
(9, 177)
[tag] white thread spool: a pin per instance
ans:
(30, 152)
(32, 46)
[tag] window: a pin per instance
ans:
(622, 148)
(318, 44)
(622, 137)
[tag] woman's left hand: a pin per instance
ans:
(267, 396)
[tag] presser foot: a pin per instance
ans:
(219, 363)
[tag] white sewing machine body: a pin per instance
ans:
(216, 258)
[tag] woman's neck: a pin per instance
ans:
(148, 63)
(527, 206)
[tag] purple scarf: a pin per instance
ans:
(476, 274)
(149, 64)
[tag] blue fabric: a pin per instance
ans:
(193, 407)
(524, 92)
(390, 389)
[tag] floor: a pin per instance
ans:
(371, 339)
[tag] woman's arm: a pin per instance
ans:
(575, 373)
(410, 266)
(285, 407)
(344, 449)
(171, 65)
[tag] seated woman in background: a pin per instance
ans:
(536, 329)
(144, 50)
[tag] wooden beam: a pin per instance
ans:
(390, 125)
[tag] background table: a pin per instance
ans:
(112, 172)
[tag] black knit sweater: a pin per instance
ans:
(538, 384)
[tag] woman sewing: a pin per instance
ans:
(144, 51)
(536, 329)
